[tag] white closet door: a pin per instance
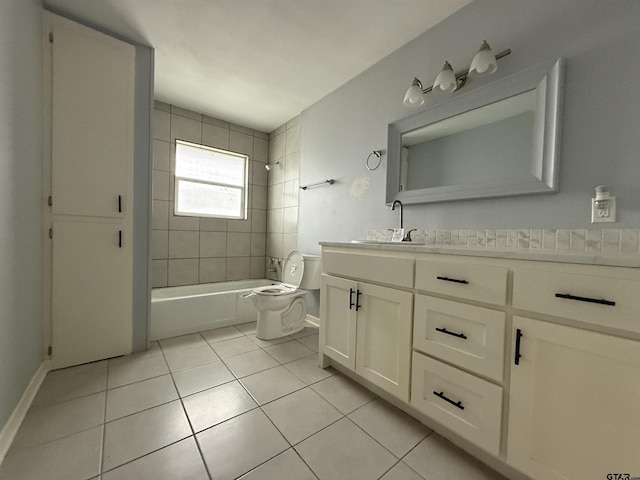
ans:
(91, 292)
(92, 140)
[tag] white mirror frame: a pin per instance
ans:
(547, 80)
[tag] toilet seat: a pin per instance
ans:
(291, 274)
(279, 289)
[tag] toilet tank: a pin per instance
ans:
(312, 272)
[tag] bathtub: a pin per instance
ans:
(195, 308)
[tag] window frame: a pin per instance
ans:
(244, 188)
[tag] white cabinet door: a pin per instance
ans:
(92, 92)
(574, 409)
(92, 127)
(91, 292)
(338, 320)
(383, 349)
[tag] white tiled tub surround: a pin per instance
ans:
(221, 404)
(282, 211)
(192, 250)
(609, 241)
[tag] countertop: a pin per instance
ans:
(630, 260)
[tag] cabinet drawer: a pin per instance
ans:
(378, 269)
(584, 296)
(472, 282)
(469, 406)
(466, 335)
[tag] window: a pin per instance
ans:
(210, 182)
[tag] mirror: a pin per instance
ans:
(498, 140)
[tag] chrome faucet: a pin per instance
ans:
(407, 237)
(393, 207)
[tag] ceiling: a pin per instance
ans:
(258, 63)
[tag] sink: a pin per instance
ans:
(383, 242)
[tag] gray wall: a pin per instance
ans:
(20, 199)
(600, 124)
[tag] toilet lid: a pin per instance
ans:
(293, 269)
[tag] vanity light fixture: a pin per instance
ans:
(268, 166)
(484, 63)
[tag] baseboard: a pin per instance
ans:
(315, 321)
(10, 429)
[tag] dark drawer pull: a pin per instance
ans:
(444, 330)
(358, 293)
(454, 280)
(351, 304)
(119, 203)
(585, 299)
(516, 357)
(119, 238)
(442, 396)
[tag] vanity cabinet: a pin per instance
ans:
(537, 363)
(574, 406)
(458, 346)
(367, 327)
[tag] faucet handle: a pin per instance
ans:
(407, 237)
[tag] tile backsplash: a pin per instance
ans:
(611, 241)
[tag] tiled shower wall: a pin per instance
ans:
(192, 250)
(282, 213)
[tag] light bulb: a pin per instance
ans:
(414, 97)
(484, 62)
(446, 79)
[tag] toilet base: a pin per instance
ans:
(280, 323)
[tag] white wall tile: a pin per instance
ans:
(187, 129)
(160, 215)
(160, 185)
(215, 136)
(238, 244)
(241, 143)
(159, 269)
(161, 125)
(275, 220)
(257, 267)
(183, 244)
(159, 244)
(260, 150)
(258, 244)
(212, 270)
(213, 244)
(276, 147)
(183, 272)
(238, 268)
(161, 155)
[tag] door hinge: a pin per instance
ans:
(49, 350)
(50, 37)
(50, 201)
(51, 233)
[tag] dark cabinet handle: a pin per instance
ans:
(517, 355)
(585, 299)
(119, 203)
(446, 399)
(358, 306)
(454, 280)
(453, 334)
(351, 304)
(119, 238)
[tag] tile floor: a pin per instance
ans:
(222, 405)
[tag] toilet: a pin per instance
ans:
(282, 308)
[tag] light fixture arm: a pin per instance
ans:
(461, 78)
